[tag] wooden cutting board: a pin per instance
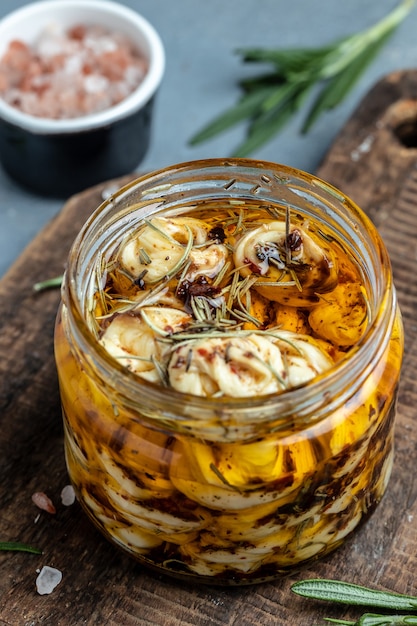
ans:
(373, 160)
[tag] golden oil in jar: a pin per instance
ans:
(228, 349)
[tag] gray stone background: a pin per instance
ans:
(200, 39)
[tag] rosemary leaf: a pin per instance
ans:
(371, 619)
(161, 232)
(15, 546)
(282, 94)
(355, 595)
(271, 100)
(222, 478)
(263, 128)
(246, 108)
(337, 88)
(264, 80)
(50, 283)
(286, 60)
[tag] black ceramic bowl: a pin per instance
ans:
(58, 157)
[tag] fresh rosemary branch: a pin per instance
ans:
(18, 547)
(270, 100)
(358, 595)
(372, 619)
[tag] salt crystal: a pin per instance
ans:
(53, 29)
(43, 502)
(73, 64)
(47, 579)
(119, 91)
(68, 495)
(50, 46)
(99, 45)
(134, 74)
(93, 83)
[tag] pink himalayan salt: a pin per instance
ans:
(42, 501)
(68, 495)
(72, 73)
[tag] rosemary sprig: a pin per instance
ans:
(358, 595)
(349, 593)
(373, 619)
(270, 100)
(16, 546)
(223, 479)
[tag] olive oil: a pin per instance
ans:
(226, 416)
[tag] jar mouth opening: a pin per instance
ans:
(379, 280)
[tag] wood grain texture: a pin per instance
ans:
(369, 161)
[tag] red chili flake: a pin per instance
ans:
(255, 269)
(200, 287)
(180, 362)
(43, 502)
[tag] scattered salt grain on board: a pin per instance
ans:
(68, 495)
(48, 578)
(43, 502)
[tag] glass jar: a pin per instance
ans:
(228, 490)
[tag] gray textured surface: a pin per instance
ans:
(202, 71)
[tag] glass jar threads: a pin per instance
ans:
(228, 348)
